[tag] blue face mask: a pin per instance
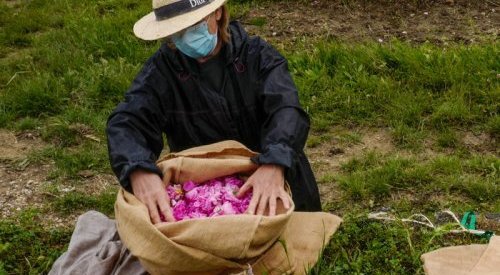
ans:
(196, 41)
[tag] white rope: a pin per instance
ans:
(410, 219)
(387, 217)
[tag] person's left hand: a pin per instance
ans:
(268, 186)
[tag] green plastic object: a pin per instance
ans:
(469, 222)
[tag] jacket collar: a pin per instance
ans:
(239, 38)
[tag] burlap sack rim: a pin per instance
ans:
(224, 217)
(214, 150)
(227, 147)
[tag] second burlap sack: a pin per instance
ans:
(474, 259)
(224, 244)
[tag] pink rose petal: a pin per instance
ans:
(212, 198)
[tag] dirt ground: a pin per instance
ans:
(439, 22)
(19, 182)
(328, 157)
(23, 184)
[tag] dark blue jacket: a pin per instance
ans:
(259, 107)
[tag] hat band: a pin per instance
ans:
(179, 7)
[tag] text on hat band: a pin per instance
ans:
(178, 8)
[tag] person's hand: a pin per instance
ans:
(148, 188)
(268, 186)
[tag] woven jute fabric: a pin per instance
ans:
(475, 259)
(288, 242)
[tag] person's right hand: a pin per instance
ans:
(148, 188)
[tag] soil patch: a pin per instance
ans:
(438, 22)
(480, 142)
(327, 158)
(21, 188)
(25, 185)
(334, 153)
(16, 148)
(19, 180)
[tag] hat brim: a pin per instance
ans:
(148, 28)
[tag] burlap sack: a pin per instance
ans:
(300, 246)
(225, 244)
(473, 259)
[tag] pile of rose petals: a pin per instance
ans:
(212, 198)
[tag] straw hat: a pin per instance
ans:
(171, 16)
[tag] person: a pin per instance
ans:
(210, 82)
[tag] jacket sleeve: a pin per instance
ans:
(286, 125)
(134, 128)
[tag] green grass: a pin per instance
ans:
(412, 89)
(448, 139)
(28, 248)
(393, 248)
(493, 126)
(27, 123)
(69, 161)
(377, 177)
(405, 186)
(77, 201)
(258, 21)
(316, 140)
(61, 74)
